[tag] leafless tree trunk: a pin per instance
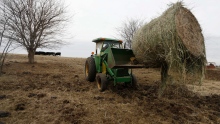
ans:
(35, 23)
(4, 46)
(128, 29)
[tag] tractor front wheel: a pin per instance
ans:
(90, 69)
(102, 82)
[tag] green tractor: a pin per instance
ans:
(111, 62)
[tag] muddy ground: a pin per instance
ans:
(54, 90)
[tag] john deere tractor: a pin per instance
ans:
(110, 63)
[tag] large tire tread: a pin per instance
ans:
(90, 65)
(102, 82)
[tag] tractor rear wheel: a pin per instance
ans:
(90, 69)
(102, 82)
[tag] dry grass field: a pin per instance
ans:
(54, 91)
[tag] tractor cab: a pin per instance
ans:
(103, 43)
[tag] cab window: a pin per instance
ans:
(98, 48)
(105, 46)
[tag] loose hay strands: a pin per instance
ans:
(174, 39)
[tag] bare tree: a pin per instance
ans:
(34, 23)
(128, 29)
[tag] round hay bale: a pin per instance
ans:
(174, 39)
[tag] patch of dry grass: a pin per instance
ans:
(50, 92)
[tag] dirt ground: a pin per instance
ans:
(54, 90)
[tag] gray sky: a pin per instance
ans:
(100, 18)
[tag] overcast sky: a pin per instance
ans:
(100, 18)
